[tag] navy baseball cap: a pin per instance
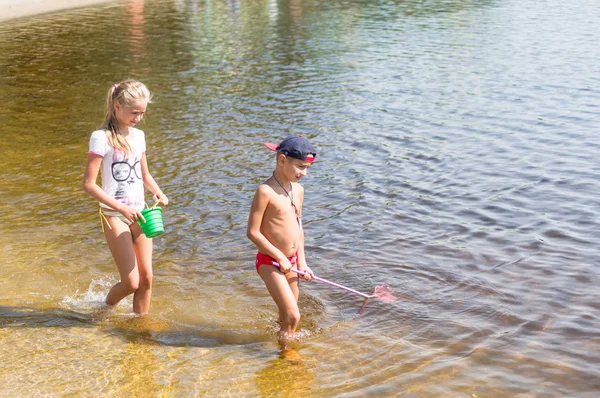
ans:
(295, 146)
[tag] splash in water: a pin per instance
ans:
(93, 299)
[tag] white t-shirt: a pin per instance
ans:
(121, 178)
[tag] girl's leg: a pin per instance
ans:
(142, 246)
(280, 289)
(120, 243)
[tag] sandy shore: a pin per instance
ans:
(10, 9)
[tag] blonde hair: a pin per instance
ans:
(125, 93)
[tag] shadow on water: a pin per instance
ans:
(132, 329)
(29, 317)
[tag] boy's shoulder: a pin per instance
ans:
(270, 182)
(266, 187)
(270, 189)
(298, 186)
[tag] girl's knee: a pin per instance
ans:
(131, 284)
(145, 282)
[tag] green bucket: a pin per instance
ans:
(154, 222)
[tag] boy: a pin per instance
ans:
(275, 227)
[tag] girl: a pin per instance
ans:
(119, 149)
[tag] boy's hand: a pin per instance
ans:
(285, 266)
(308, 274)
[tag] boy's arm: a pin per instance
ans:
(257, 211)
(302, 260)
(302, 266)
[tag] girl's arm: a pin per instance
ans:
(302, 266)
(257, 211)
(150, 184)
(89, 185)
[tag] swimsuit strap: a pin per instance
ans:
(289, 196)
(102, 219)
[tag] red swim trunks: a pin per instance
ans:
(265, 259)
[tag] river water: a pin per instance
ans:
(457, 164)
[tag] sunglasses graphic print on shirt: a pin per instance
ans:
(121, 171)
(125, 174)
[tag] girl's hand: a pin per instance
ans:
(131, 213)
(308, 274)
(161, 197)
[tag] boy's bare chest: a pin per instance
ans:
(281, 207)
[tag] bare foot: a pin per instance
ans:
(102, 313)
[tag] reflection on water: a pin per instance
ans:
(286, 376)
(457, 165)
(135, 31)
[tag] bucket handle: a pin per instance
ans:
(157, 202)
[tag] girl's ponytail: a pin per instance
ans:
(125, 93)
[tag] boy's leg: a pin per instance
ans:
(143, 252)
(280, 289)
(120, 243)
(293, 280)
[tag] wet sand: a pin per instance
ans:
(10, 9)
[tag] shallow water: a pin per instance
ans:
(458, 165)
